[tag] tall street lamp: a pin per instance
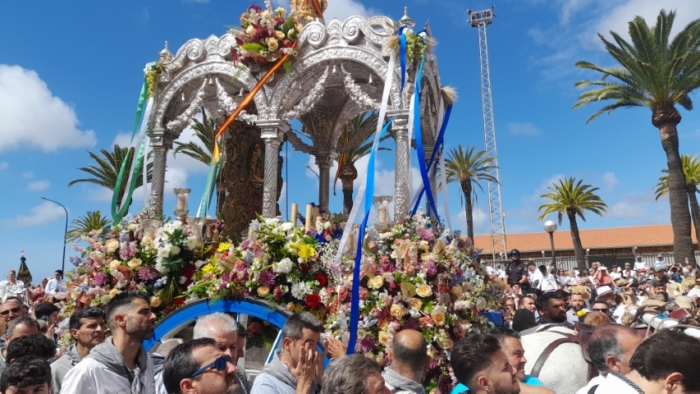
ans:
(65, 232)
(550, 226)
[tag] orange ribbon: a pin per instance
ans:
(244, 104)
(317, 9)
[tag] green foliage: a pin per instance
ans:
(92, 221)
(253, 47)
(571, 196)
(691, 169)
(653, 72)
(469, 165)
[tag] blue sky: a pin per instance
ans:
(70, 73)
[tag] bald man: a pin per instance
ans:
(408, 356)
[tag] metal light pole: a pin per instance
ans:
(550, 226)
(65, 232)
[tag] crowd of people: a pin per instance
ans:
(107, 355)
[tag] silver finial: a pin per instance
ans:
(165, 55)
(21, 253)
(406, 20)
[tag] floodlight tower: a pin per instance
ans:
(481, 19)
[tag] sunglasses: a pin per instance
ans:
(219, 364)
(7, 312)
(514, 255)
(601, 310)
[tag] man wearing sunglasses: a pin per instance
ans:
(120, 364)
(516, 273)
(11, 309)
(199, 367)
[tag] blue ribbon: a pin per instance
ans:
(433, 157)
(419, 142)
(402, 39)
(369, 196)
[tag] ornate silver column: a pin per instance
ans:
(399, 128)
(272, 131)
(160, 145)
(324, 163)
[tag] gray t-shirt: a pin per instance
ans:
(268, 384)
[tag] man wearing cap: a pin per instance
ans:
(606, 294)
(515, 271)
(602, 277)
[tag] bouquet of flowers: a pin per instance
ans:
(264, 36)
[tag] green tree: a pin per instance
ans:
(93, 220)
(691, 170)
(658, 73)
(106, 168)
(573, 199)
(360, 127)
(468, 168)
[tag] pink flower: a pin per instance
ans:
(99, 279)
(426, 234)
(365, 345)
(146, 274)
(267, 278)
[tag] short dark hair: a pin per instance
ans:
(23, 320)
(58, 272)
(297, 322)
(13, 298)
(501, 333)
(180, 364)
(31, 345)
(413, 357)
(521, 300)
(25, 371)
(74, 322)
(605, 342)
(121, 300)
(44, 309)
(240, 330)
(471, 355)
(563, 295)
(348, 375)
(543, 300)
(666, 352)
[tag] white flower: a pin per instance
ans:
(121, 284)
(131, 227)
(192, 243)
(286, 226)
(283, 267)
(327, 225)
(164, 251)
(161, 268)
(387, 235)
(199, 263)
(183, 279)
(174, 251)
(300, 290)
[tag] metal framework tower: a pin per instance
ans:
(481, 19)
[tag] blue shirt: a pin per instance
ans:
(531, 380)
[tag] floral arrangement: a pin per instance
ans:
(264, 36)
(411, 277)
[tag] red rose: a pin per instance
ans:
(321, 278)
(313, 301)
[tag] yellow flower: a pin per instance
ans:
(424, 291)
(438, 317)
(408, 289)
(134, 263)
(397, 311)
(263, 291)
(112, 245)
(281, 12)
(146, 240)
(273, 44)
(376, 282)
(290, 307)
(416, 303)
(279, 35)
(384, 338)
(210, 268)
(155, 301)
(582, 313)
(114, 264)
(304, 251)
(114, 292)
(457, 291)
(223, 247)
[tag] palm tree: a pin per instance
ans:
(93, 220)
(469, 167)
(205, 131)
(360, 127)
(106, 170)
(658, 75)
(691, 170)
(573, 198)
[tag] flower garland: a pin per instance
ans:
(357, 95)
(310, 99)
(183, 119)
(228, 105)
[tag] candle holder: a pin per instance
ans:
(383, 221)
(181, 210)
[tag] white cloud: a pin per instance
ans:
(4, 165)
(32, 116)
(341, 9)
(523, 128)
(43, 213)
(610, 180)
(38, 186)
(480, 218)
(99, 194)
(28, 175)
(628, 210)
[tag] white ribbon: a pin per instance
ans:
(136, 144)
(146, 191)
(411, 120)
(389, 80)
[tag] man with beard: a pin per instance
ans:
(552, 308)
(527, 302)
(87, 329)
(577, 304)
(479, 362)
(120, 364)
(199, 367)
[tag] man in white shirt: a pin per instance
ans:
(54, 284)
(639, 264)
(694, 293)
(628, 273)
(616, 274)
(548, 282)
(534, 276)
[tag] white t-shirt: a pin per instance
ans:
(639, 264)
(490, 270)
(616, 275)
(694, 293)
